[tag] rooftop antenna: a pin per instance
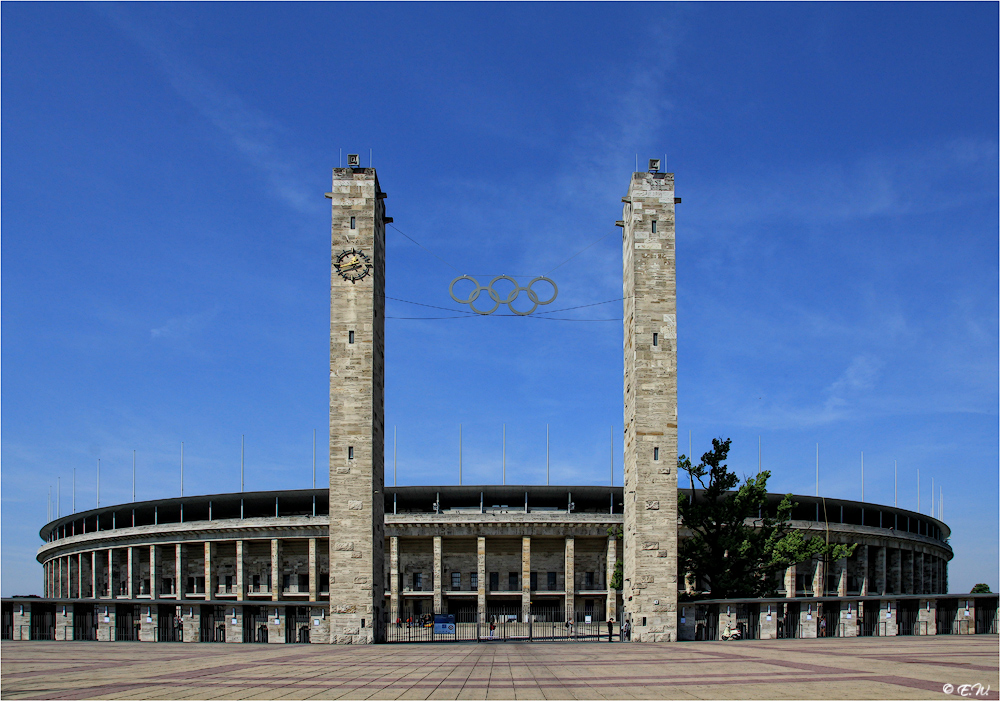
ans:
(58, 497)
(98, 483)
(460, 454)
(941, 504)
(918, 491)
(637, 163)
(895, 484)
(932, 497)
(182, 468)
(690, 459)
(393, 456)
(341, 158)
(862, 475)
(546, 454)
(242, 452)
(74, 490)
(133, 475)
(314, 458)
(817, 469)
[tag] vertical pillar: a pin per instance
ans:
(313, 581)
(209, 581)
(570, 577)
(357, 404)
(130, 575)
(790, 572)
(650, 407)
(154, 572)
(79, 573)
(241, 590)
(481, 578)
(842, 577)
(179, 582)
(611, 605)
(880, 570)
(111, 573)
(863, 566)
(438, 574)
(819, 577)
(93, 574)
(394, 576)
(525, 578)
(59, 577)
(275, 570)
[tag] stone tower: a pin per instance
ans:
(650, 348)
(357, 378)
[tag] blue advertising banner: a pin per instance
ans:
(444, 624)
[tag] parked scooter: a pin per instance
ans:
(732, 633)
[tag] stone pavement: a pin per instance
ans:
(836, 668)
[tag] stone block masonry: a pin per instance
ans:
(357, 376)
(650, 396)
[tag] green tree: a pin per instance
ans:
(981, 588)
(737, 545)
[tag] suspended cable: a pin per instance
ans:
(427, 249)
(579, 252)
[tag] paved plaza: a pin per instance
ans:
(842, 668)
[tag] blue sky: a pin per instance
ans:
(166, 242)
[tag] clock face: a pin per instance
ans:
(353, 265)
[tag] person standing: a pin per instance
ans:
(611, 627)
(822, 627)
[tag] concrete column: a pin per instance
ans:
(241, 590)
(179, 571)
(438, 575)
(611, 604)
(313, 581)
(790, 582)
(111, 573)
(926, 618)
(881, 585)
(842, 576)
(906, 558)
(209, 584)
(93, 574)
(59, 578)
(863, 566)
(918, 573)
(130, 575)
(888, 617)
(570, 569)
(394, 576)
(79, 574)
(819, 577)
(525, 577)
(481, 578)
(275, 569)
(154, 572)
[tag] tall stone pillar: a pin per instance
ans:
(93, 574)
(209, 570)
(863, 556)
(819, 577)
(241, 580)
(790, 572)
(881, 586)
(154, 572)
(179, 571)
(570, 578)
(357, 377)
(908, 556)
(650, 419)
(842, 577)
(130, 578)
(438, 576)
(525, 577)
(111, 573)
(611, 605)
(394, 577)
(275, 569)
(312, 570)
(79, 574)
(481, 578)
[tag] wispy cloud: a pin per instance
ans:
(253, 134)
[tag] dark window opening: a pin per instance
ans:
(353, 225)
(654, 226)
(494, 581)
(656, 453)
(350, 337)
(350, 452)
(552, 581)
(512, 581)
(656, 338)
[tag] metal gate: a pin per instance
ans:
(788, 621)
(831, 614)
(254, 624)
(706, 622)
(986, 616)
(84, 622)
(127, 618)
(907, 617)
(43, 621)
(869, 619)
(8, 622)
(213, 624)
(296, 624)
(748, 621)
(168, 626)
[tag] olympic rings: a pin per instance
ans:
(508, 300)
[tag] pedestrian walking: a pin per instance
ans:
(611, 627)
(822, 627)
